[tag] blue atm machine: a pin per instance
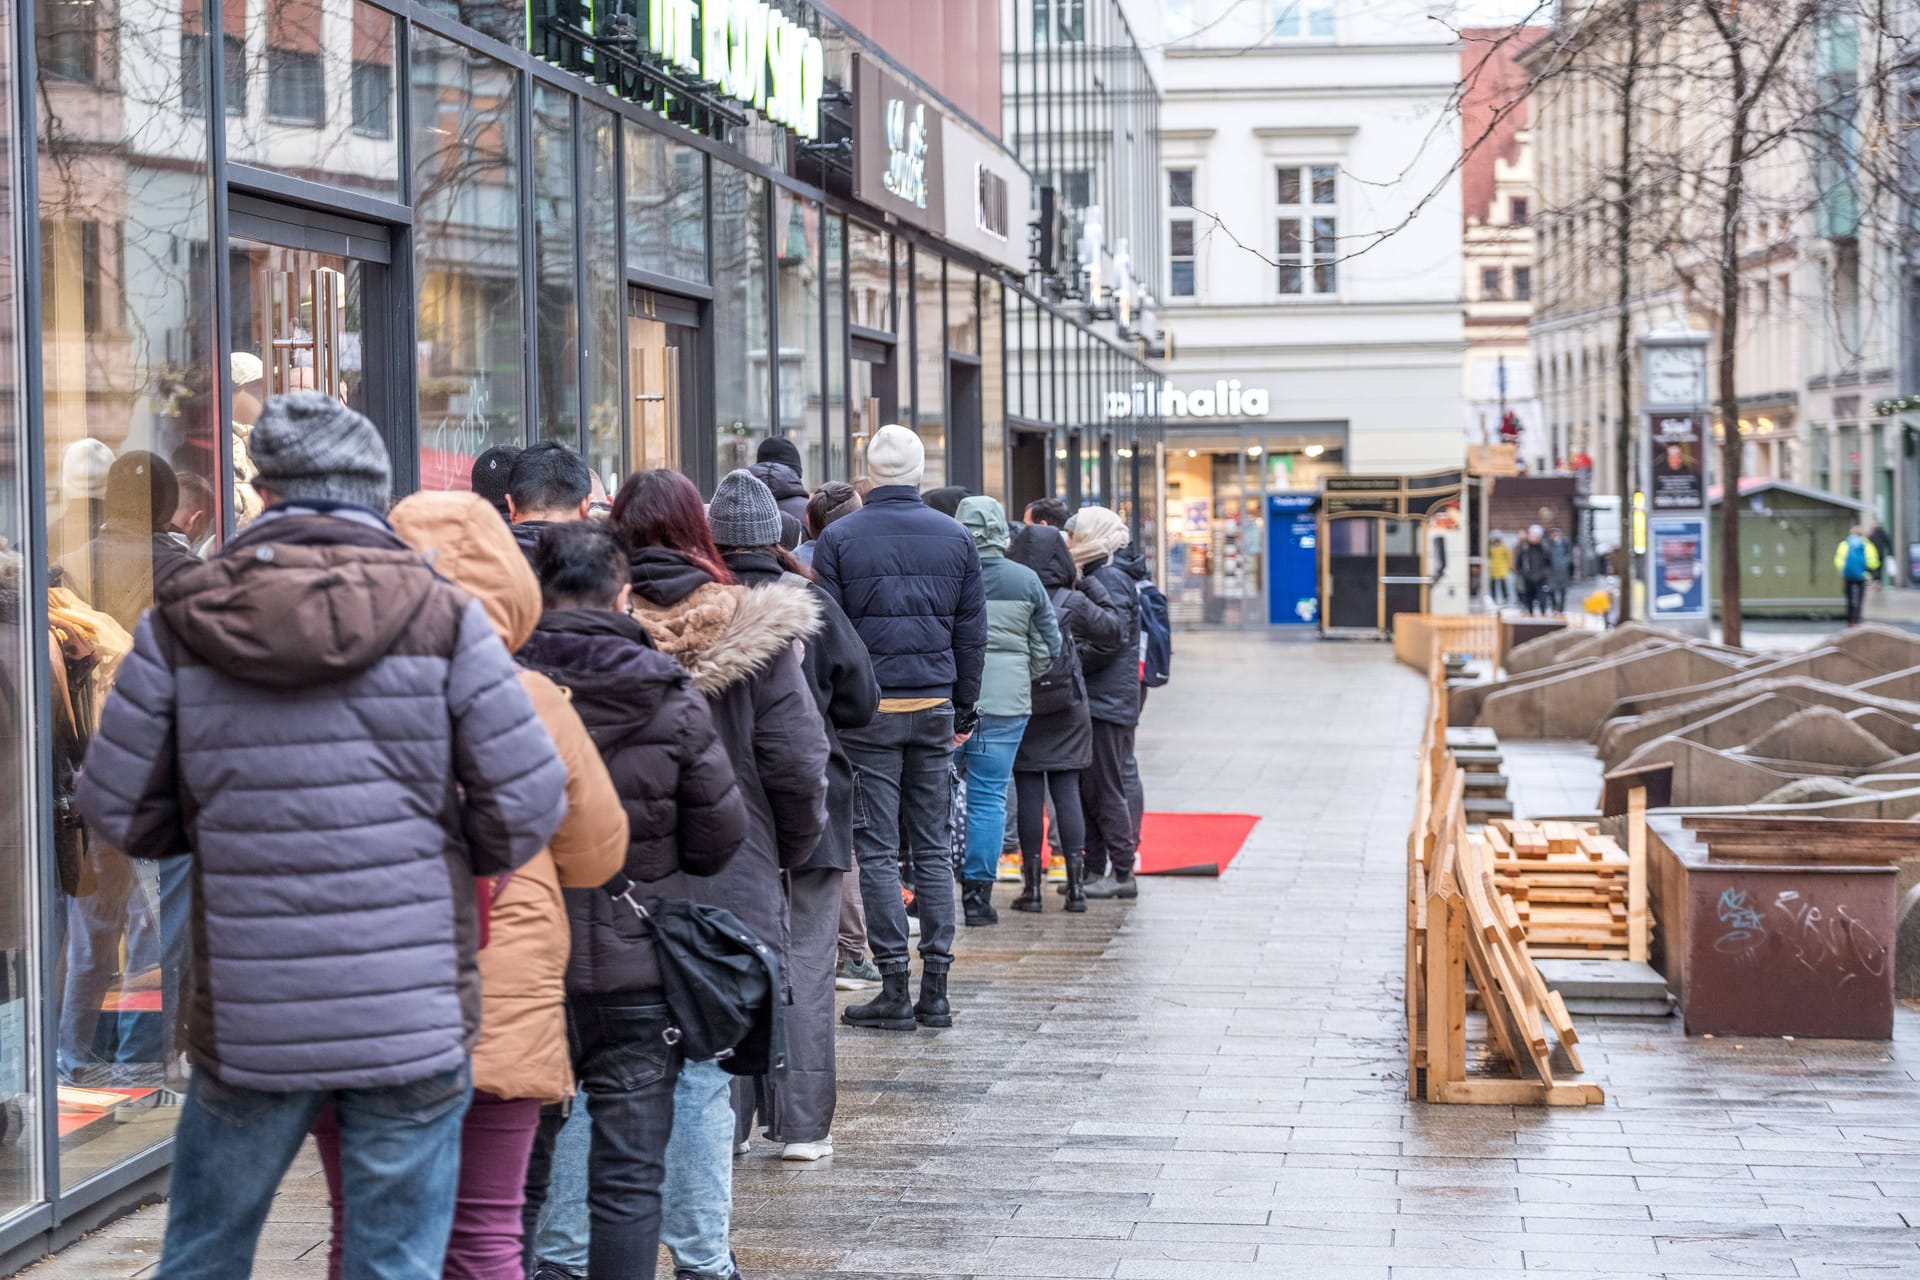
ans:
(1293, 561)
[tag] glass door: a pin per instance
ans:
(662, 372)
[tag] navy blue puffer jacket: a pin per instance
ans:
(909, 580)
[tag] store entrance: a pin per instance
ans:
(1374, 571)
(311, 312)
(1029, 468)
(663, 354)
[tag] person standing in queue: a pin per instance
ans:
(1095, 535)
(742, 650)
(909, 579)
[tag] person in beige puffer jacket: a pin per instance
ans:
(521, 1059)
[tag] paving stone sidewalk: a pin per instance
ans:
(1210, 1082)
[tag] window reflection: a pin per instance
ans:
(993, 384)
(834, 272)
(467, 258)
(605, 290)
(319, 102)
(930, 400)
(666, 206)
(129, 384)
(557, 338)
(741, 376)
(802, 370)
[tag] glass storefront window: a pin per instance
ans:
(930, 402)
(666, 206)
(467, 266)
(802, 369)
(963, 314)
(741, 376)
(310, 90)
(20, 1086)
(993, 392)
(869, 278)
(556, 310)
(606, 293)
(130, 389)
(502, 19)
(834, 269)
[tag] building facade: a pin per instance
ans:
(659, 232)
(1312, 287)
(1498, 201)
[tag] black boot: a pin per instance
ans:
(888, 1011)
(1031, 873)
(977, 899)
(932, 1008)
(1076, 882)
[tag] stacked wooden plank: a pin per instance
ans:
(1574, 891)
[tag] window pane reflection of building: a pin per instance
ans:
(741, 377)
(557, 339)
(802, 390)
(130, 397)
(321, 107)
(930, 397)
(467, 258)
(666, 206)
(605, 291)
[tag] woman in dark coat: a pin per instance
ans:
(741, 648)
(797, 1108)
(1058, 744)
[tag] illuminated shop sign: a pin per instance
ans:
(899, 151)
(748, 51)
(1226, 399)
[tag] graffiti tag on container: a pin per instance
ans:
(1831, 943)
(1744, 930)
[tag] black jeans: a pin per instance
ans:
(1030, 789)
(903, 808)
(1856, 599)
(625, 1063)
(1103, 798)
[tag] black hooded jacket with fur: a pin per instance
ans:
(741, 648)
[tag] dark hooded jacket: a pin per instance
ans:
(741, 648)
(788, 491)
(1113, 672)
(1062, 741)
(526, 535)
(909, 580)
(341, 740)
(841, 676)
(685, 815)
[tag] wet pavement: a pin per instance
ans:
(1209, 1082)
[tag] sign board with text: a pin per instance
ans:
(1679, 550)
(899, 153)
(1679, 461)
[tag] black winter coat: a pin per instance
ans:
(838, 669)
(526, 536)
(1113, 672)
(684, 812)
(1062, 742)
(909, 580)
(788, 490)
(742, 650)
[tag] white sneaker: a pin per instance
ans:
(809, 1151)
(741, 1148)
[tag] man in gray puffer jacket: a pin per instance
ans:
(338, 739)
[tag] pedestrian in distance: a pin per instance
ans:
(389, 755)
(1559, 569)
(1499, 566)
(1023, 640)
(1882, 544)
(1095, 535)
(909, 580)
(1058, 744)
(798, 1106)
(742, 650)
(686, 818)
(1535, 568)
(550, 484)
(1857, 559)
(1048, 511)
(521, 1060)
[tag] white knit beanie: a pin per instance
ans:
(896, 456)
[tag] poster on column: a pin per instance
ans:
(1679, 549)
(1679, 440)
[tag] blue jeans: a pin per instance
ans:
(400, 1166)
(696, 1218)
(989, 763)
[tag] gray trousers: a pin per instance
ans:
(799, 1108)
(853, 918)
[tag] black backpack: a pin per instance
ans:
(1063, 685)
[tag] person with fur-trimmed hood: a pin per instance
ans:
(742, 649)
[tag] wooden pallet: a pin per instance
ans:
(1577, 893)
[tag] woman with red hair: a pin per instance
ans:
(741, 649)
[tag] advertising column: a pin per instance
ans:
(1675, 373)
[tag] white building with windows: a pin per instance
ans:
(1313, 234)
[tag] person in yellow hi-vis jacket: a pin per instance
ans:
(1857, 559)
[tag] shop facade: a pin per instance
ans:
(480, 223)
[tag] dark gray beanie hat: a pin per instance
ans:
(309, 445)
(743, 512)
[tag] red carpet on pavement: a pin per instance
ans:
(1192, 844)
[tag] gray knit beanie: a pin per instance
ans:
(743, 512)
(309, 445)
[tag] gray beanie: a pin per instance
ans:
(309, 445)
(743, 512)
